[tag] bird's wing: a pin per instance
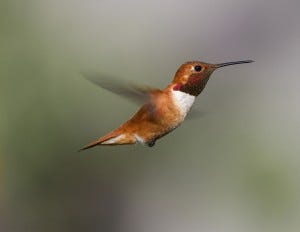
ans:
(136, 93)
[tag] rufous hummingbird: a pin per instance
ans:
(163, 110)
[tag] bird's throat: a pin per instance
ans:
(193, 87)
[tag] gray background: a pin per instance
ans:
(236, 168)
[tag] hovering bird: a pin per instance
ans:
(162, 110)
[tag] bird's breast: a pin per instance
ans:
(182, 101)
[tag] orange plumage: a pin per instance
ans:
(163, 110)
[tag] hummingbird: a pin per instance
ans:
(162, 110)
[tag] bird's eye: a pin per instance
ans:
(198, 68)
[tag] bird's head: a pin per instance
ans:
(192, 76)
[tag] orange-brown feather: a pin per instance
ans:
(153, 120)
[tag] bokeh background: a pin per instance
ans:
(236, 168)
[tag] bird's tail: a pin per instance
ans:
(113, 138)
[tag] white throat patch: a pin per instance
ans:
(183, 101)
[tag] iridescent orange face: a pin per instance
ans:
(192, 76)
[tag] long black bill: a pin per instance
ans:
(232, 63)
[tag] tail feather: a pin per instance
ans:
(113, 138)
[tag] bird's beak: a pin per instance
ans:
(232, 63)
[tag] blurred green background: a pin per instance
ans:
(236, 168)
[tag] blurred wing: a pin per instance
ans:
(135, 93)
